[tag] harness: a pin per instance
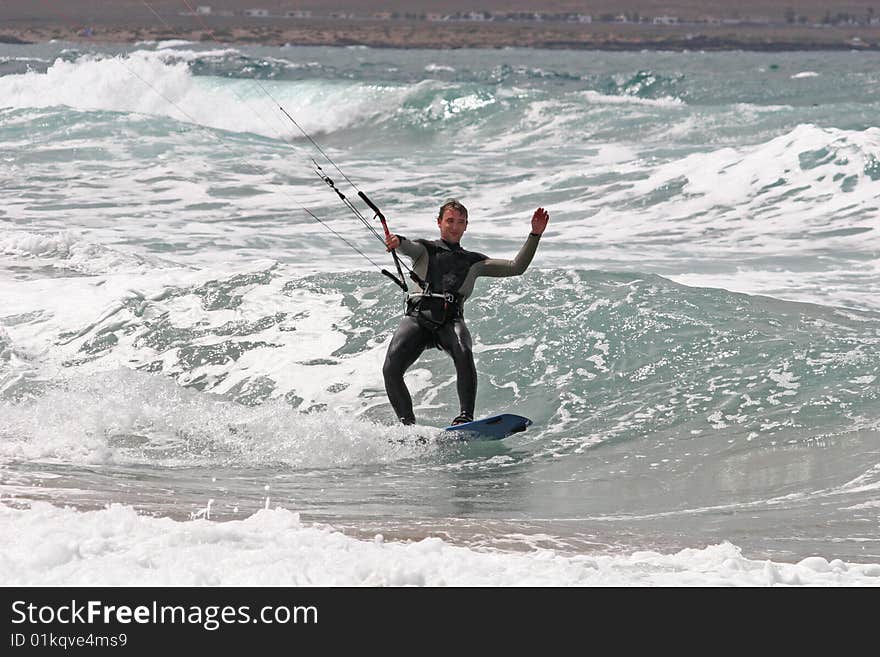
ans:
(432, 309)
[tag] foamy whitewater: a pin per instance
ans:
(190, 364)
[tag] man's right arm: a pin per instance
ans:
(413, 250)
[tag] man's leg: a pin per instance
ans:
(455, 339)
(406, 346)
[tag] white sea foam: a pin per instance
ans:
(160, 83)
(805, 192)
(597, 98)
(829, 287)
(69, 250)
(24, 59)
(58, 244)
(47, 546)
(127, 304)
(173, 43)
(93, 419)
(732, 176)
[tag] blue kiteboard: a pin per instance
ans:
(490, 428)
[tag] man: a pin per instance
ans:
(434, 317)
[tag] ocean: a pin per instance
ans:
(190, 362)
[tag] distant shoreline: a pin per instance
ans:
(444, 36)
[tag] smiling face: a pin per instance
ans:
(452, 224)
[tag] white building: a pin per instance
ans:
(257, 13)
(203, 10)
(665, 20)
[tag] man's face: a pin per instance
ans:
(452, 225)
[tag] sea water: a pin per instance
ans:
(193, 325)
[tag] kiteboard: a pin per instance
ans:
(490, 428)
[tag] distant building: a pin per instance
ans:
(257, 13)
(298, 13)
(584, 18)
(665, 20)
(203, 10)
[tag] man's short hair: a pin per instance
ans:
(453, 204)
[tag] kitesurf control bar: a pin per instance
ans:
(375, 208)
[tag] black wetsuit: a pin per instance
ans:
(432, 321)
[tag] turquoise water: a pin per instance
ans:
(695, 341)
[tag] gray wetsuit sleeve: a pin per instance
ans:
(496, 268)
(417, 253)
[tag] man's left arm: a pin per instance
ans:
(499, 268)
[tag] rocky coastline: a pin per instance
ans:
(421, 34)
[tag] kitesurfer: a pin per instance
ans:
(435, 315)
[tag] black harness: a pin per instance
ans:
(433, 310)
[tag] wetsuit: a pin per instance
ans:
(435, 321)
